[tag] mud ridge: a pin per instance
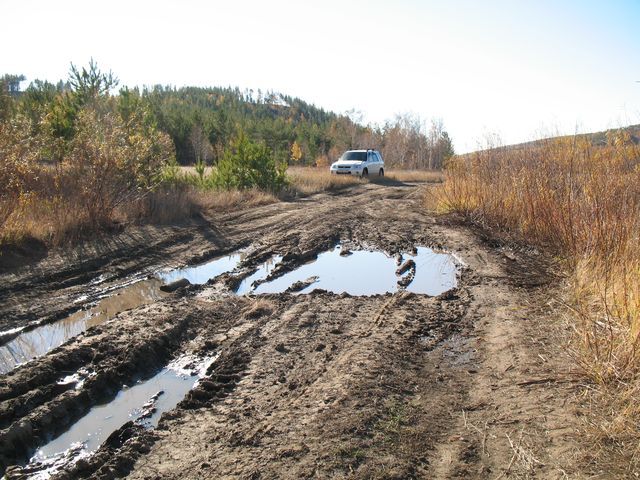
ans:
(111, 369)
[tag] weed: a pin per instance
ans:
(580, 201)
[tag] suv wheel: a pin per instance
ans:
(381, 173)
(365, 173)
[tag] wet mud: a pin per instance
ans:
(344, 343)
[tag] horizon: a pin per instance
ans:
(517, 72)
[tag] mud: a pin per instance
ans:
(394, 384)
(25, 344)
(142, 403)
(35, 343)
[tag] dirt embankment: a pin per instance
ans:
(470, 384)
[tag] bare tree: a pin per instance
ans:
(202, 148)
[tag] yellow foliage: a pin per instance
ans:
(322, 161)
(580, 201)
(296, 152)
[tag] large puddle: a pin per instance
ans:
(143, 402)
(364, 272)
(35, 343)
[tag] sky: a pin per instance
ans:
(512, 68)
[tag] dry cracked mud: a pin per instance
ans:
(468, 384)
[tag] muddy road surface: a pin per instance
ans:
(440, 362)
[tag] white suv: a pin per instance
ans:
(359, 162)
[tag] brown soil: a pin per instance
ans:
(471, 384)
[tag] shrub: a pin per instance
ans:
(246, 164)
(112, 162)
(109, 161)
(18, 151)
(580, 201)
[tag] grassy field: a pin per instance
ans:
(56, 210)
(581, 203)
(309, 180)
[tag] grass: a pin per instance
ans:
(581, 203)
(53, 209)
(422, 176)
(310, 180)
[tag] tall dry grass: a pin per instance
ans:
(581, 202)
(421, 176)
(310, 180)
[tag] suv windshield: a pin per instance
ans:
(358, 156)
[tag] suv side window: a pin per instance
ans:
(370, 157)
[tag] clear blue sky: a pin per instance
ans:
(515, 68)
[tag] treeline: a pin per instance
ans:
(83, 155)
(202, 122)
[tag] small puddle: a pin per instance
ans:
(40, 340)
(143, 402)
(199, 274)
(363, 272)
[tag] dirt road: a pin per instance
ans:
(468, 384)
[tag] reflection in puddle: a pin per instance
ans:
(265, 269)
(40, 340)
(199, 274)
(133, 403)
(435, 272)
(135, 293)
(368, 273)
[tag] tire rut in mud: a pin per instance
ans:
(35, 407)
(118, 454)
(300, 386)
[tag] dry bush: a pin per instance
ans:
(18, 151)
(581, 202)
(167, 205)
(426, 176)
(229, 200)
(109, 164)
(322, 161)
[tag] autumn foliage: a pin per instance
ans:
(580, 200)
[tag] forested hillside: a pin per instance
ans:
(85, 154)
(203, 121)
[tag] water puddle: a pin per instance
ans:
(435, 273)
(357, 272)
(364, 272)
(246, 286)
(143, 403)
(200, 274)
(35, 343)
(114, 299)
